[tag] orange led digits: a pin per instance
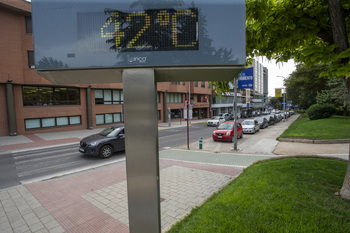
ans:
(176, 29)
(163, 18)
(147, 23)
(153, 30)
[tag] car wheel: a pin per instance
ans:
(241, 135)
(254, 131)
(106, 151)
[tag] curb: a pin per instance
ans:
(312, 141)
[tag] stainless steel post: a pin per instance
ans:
(235, 117)
(142, 152)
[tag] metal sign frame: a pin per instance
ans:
(220, 56)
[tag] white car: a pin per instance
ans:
(215, 121)
(250, 126)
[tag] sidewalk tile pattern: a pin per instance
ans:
(20, 211)
(179, 194)
(33, 141)
(96, 201)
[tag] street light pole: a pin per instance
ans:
(285, 97)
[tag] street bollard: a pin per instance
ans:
(200, 143)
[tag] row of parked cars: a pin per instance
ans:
(225, 129)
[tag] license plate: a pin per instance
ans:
(219, 136)
(81, 150)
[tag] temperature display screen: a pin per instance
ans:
(149, 30)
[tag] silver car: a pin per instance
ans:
(215, 121)
(250, 126)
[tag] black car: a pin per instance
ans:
(263, 123)
(105, 143)
(271, 120)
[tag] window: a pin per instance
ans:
(196, 84)
(31, 63)
(175, 83)
(202, 84)
(175, 98)
(48, 96)
(46, 122)
(202, 98)
(109, 96)
(108, 118)
(28, 21)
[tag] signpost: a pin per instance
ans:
(139, 44)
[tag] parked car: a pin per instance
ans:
(283, 115)
(246, 113)
(278, 118)
(226, 116)
(215, 121)
(271, 120)
(250, 126)
(105, 143)
(225, 131)
(262, 122)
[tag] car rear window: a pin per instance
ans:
(226, 126)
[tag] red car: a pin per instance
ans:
(224, 132)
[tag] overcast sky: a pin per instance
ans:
(280, 69)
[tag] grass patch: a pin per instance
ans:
(335, 127)
(286, 195)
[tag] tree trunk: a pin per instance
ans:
(336, 15)
(345, 190)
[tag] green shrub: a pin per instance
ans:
(340, 112)
(319, 111)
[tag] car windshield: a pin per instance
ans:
(215, 118)
(248, 123)
(260, 120)
(226, 126)
(110, 131)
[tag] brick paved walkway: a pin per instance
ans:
(96, 201)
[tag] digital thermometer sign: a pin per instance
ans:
(149, 30)
(110, 34)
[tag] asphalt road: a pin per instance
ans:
(41, 164)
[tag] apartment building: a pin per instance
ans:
(31, 104)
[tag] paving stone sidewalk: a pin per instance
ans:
(96, 201)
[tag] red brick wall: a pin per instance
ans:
(3, 112)
(11, 47)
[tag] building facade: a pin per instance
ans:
(255, 99)
(31, 104)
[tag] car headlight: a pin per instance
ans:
(213, 132)
(93, 144)
(228, 133)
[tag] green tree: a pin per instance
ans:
(276, 102)
(310, 31)
(336, 94)
(304, 84)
